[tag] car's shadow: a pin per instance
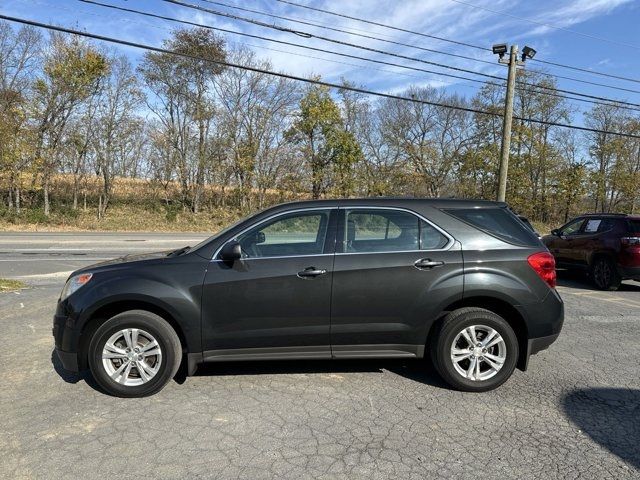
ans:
(580, 281)
(610, 416)
(417, 370)
(413, 369)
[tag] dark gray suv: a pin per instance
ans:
(465, 282)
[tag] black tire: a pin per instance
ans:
(450, 327)
(161, 331)
(605, 275)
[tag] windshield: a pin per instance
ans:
(221, 232)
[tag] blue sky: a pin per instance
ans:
(614, 20)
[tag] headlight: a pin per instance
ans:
(74, 283)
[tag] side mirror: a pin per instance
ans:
(555, 232)
(231, 251)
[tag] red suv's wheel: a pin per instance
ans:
(604, 274)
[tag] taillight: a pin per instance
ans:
(630, 240)
(545, 266)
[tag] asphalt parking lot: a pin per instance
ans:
(574, 414)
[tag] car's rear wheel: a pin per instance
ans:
(475, 350)
(134, 354)
(605, 275)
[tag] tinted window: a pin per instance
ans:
(389, 230)
(301, 233)
(607, 224)
(498, 222)
(633, 226)
(430, 238)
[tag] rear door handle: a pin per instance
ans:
(311, 272)
(427, 264)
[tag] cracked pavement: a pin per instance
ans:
(574, 414)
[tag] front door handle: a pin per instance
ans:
(311, 272)
(427, 264)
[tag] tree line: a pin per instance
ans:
(207, 136)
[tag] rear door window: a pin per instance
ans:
(592, 225)
(497, 221)
(388, 230)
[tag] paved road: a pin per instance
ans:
(574, 414)
(40, 257)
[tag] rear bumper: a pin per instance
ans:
(629, 273)
(545, 321)
(536, 345)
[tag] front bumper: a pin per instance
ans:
(66, 340)
(69, 360)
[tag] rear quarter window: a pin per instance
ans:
(498, 222)
(633, 226)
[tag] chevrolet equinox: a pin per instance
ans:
(465, 282)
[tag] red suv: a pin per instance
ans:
(607, 246)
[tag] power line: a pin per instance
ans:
(554, 91)
(408, 45)
(288, 52)
(548, 25)
(294, 77)
(361, 47)
(478, 47)
(586, 70)
(341, 30)
(283, 42)
(326, 39)
(370, 22)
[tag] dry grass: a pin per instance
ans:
(126, 218)
(11, 285)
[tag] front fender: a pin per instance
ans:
(176, 294)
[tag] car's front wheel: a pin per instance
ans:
(134, 354)
(475, 350)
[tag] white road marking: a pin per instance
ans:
(43, 276)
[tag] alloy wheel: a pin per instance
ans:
(131, 357)
(478, 352)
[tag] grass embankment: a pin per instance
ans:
(11, 285)
(136, 205)
(120, 218)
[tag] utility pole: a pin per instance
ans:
(513, 63)
(506, 123)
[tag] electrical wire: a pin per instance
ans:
(294, 77)
(548, 25)
(408, 45)
(478, 47)
(553, 91)
(374, 50)
(370, 22)
(341, 30)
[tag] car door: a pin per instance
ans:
(585, 241)
(392, 270)
(275, 300)
(562, 244)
